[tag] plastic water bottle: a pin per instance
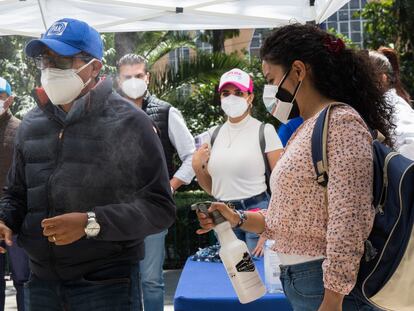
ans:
(236, 259)
(272, 269)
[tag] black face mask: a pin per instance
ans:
(285, 96)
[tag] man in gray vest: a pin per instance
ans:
(133, 80)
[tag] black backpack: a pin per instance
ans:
(386, 274)
(262, 148)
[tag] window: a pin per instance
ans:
(356, 37)
(257, 41)
(344, 15)
(355, 26)
(177, 56)
(348, 21)
(354, 4)
(333, 18)
(344, 28)
(333, 25)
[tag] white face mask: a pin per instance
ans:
(2, 110)
(63, 86)
(134, 88)
(234, 106)
(278, 108)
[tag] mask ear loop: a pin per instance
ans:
(296, 91)
(83, 67)
(283, 78)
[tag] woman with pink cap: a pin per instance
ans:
(232, 165)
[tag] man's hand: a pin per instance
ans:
(65, 229)
(6, 235)
(331, 301)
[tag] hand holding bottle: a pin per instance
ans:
(206, 221)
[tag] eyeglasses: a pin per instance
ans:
(59, 62)
(237, 93)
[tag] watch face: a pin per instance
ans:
(92, 229)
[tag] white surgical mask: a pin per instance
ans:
(2, 110)
(134, 88)
(278, 108)
(234, 106)
(62, 86)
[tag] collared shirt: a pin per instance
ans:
(183, 142)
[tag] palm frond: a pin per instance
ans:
(170, 41)
(202, 68)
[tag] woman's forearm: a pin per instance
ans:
(255, 222)
(203, 179)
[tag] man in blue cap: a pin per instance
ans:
(88, 181)
(18, 260)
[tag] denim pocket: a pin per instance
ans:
(308, 284)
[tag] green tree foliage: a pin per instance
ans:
(391, 23)
(193, 88)
(19, 71)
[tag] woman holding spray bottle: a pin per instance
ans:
(320, 240)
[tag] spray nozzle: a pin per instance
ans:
(202, 207)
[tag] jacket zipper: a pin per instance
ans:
(51, 209)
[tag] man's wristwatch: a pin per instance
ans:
(92, 227)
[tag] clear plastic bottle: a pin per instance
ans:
(237, 260)
(272, 269)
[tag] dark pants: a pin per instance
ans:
(19, 266)
(303, 286)
(106, 290)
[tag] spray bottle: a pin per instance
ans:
(236, 258)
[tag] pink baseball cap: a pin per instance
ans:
(238, 78)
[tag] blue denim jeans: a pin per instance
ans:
(303, 286)
(246, 205)
(152, 279)
(112, 289)
(20, 272)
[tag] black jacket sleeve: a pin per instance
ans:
(13, 204)
(151, 209)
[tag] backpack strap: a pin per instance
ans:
(262, 141)
(214, 135)
(319, 145)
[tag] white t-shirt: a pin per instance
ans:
(404, 120)
(236, 163)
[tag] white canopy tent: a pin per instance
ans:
(33, 17)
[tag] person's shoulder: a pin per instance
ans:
(124, 109)
(31, 116)
(155, 101)
(345, 116)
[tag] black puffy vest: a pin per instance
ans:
(158, 110)
(102, 156)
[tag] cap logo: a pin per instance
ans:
(234, 75)
(57, 29)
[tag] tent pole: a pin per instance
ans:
(42, 14)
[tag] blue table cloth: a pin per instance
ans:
(204, 286)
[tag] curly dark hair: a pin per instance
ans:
(337, 72)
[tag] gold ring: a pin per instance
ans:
(53, 238)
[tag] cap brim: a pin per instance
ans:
(238, 85)
(35, 47)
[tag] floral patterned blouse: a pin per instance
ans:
(298, 217)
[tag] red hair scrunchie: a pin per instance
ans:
(334, 46)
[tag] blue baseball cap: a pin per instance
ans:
(5, 86)
(68, 37)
